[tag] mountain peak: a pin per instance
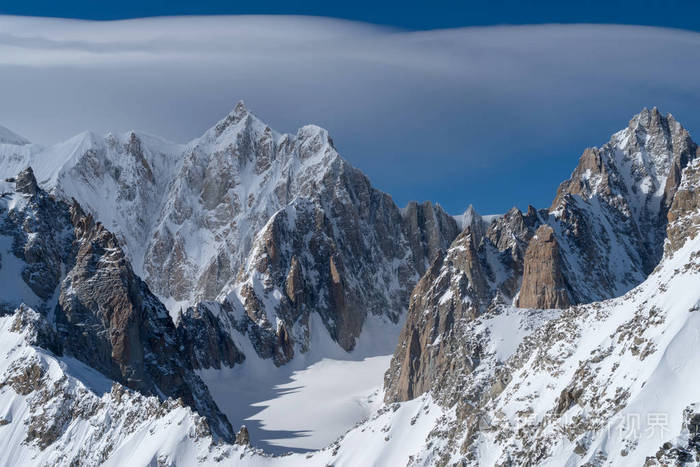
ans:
(236, 116)
(240, 108)
(10, 137)
(26, 182)
(653, 122)
(467, 217)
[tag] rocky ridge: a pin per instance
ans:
(603, 235)
(101, 313)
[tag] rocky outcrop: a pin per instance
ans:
(203, 339)
(422, 355)
(105, 315)
(26, 183)
(684, 213)
(543, 283)
(686, 449)
(429, 230)
(510, 235)
(243, 437)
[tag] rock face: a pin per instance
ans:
(480, 270)
(684, 452)
(273, 227)
(429, 230)
(104, 315)
(603, 235)
(35, 238)
(610, 217)
(243, 437)
(684, 213)
(543, 281)
(203, 339)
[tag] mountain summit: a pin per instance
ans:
(268, 228)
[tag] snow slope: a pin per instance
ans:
(311, 401)
(55, 411)
(306, 411)
(624, 360)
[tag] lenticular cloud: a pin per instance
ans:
(468, 100)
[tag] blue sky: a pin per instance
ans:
(493, 116)
(412, 14)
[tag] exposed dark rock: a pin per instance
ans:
(106, 316)
(683, 453)
(202, 338)
(429, 229)
(684, 213)
(26, 183)
(543, 284)
(243, 437)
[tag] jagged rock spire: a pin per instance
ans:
(26, 183)
(544, 285)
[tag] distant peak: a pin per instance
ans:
(469, 218)
(239, 113)
(10, 137)
(240, 108)
(647, 113)
(651, 119)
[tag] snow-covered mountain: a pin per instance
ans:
(265, 227)
(606, 383)
(558, 336)
(601, 237)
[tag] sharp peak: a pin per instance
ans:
(651, 117)
(26, 183)
(239, 113)
(471, 210)
(240, 107)
(468, 217)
